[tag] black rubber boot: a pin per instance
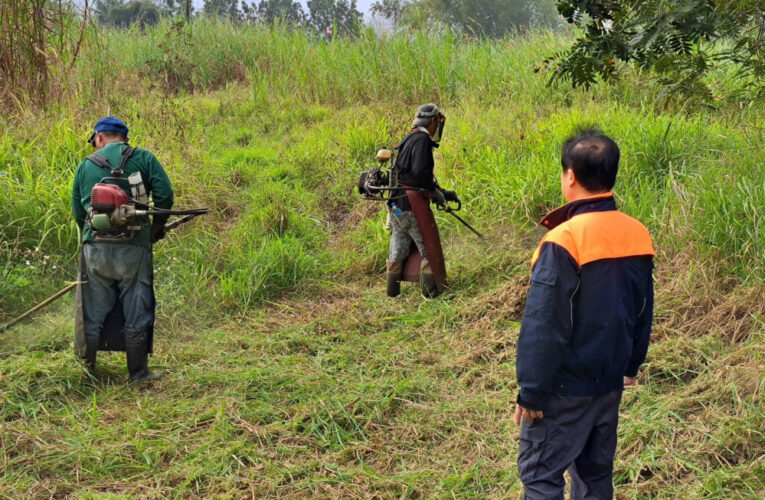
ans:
(428, 282)
(137, 359)
(91, 349)
(393, 275)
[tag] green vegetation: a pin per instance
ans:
(290, 374)
(681, 42)
(493, 19)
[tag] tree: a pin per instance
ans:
(340, 15)
(120, 14)
(102, 9)
(173, 8)
(271, 11)
(492, 18)
(680, 41)
(390, 9)
(228, 9)
(142, 12)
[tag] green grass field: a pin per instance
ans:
(289, 374)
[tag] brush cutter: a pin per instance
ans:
(377, 184)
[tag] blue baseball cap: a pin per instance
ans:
(109, 124)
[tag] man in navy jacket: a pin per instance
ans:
(585, 328)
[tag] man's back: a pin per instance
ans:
(89, 174)
(591, 284)
(614, 253)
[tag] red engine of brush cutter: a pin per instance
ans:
(107, 197)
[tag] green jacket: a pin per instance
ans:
(154, 178)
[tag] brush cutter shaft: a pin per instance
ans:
(39, 306)
(451, 212)
(61, 293)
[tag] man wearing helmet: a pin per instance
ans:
(415, 246)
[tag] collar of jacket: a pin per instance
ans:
(414, 131)
(111, 144)
(598, 203)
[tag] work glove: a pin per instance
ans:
(438, 197)
(451, 196)
(157, 232)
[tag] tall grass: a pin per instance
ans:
(290, 374)
(39, 42)
(269, 127)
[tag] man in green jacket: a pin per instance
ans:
(118, 272)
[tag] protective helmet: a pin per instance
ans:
(425, 114)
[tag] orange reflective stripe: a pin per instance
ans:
(600, 235)
(560, 238)
(535, 256)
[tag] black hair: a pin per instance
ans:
(110, 134)
(594, 157)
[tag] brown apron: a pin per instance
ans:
(427, 223)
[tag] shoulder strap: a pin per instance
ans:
(101, 161)
(126, 154)
(408, 136)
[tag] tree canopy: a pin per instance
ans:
(494, 18)
(680, 41)
(330, 15)
(271, 11)
(174, 8)
(223, 8)
(123, 14)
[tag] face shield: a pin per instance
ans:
(440, 130)
(425, 116)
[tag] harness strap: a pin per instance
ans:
(126, 154)
(101, 161)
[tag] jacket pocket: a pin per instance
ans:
(541, 298)
(545, 276)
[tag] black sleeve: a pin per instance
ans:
(422, 163)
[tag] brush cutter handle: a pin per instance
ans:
(445, 207)
(182, 220)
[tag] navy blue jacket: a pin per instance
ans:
(588, 314)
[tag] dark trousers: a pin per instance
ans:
(116, 271)
(577, 434)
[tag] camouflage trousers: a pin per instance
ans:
(404, 230)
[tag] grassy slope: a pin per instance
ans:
(290, 374)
